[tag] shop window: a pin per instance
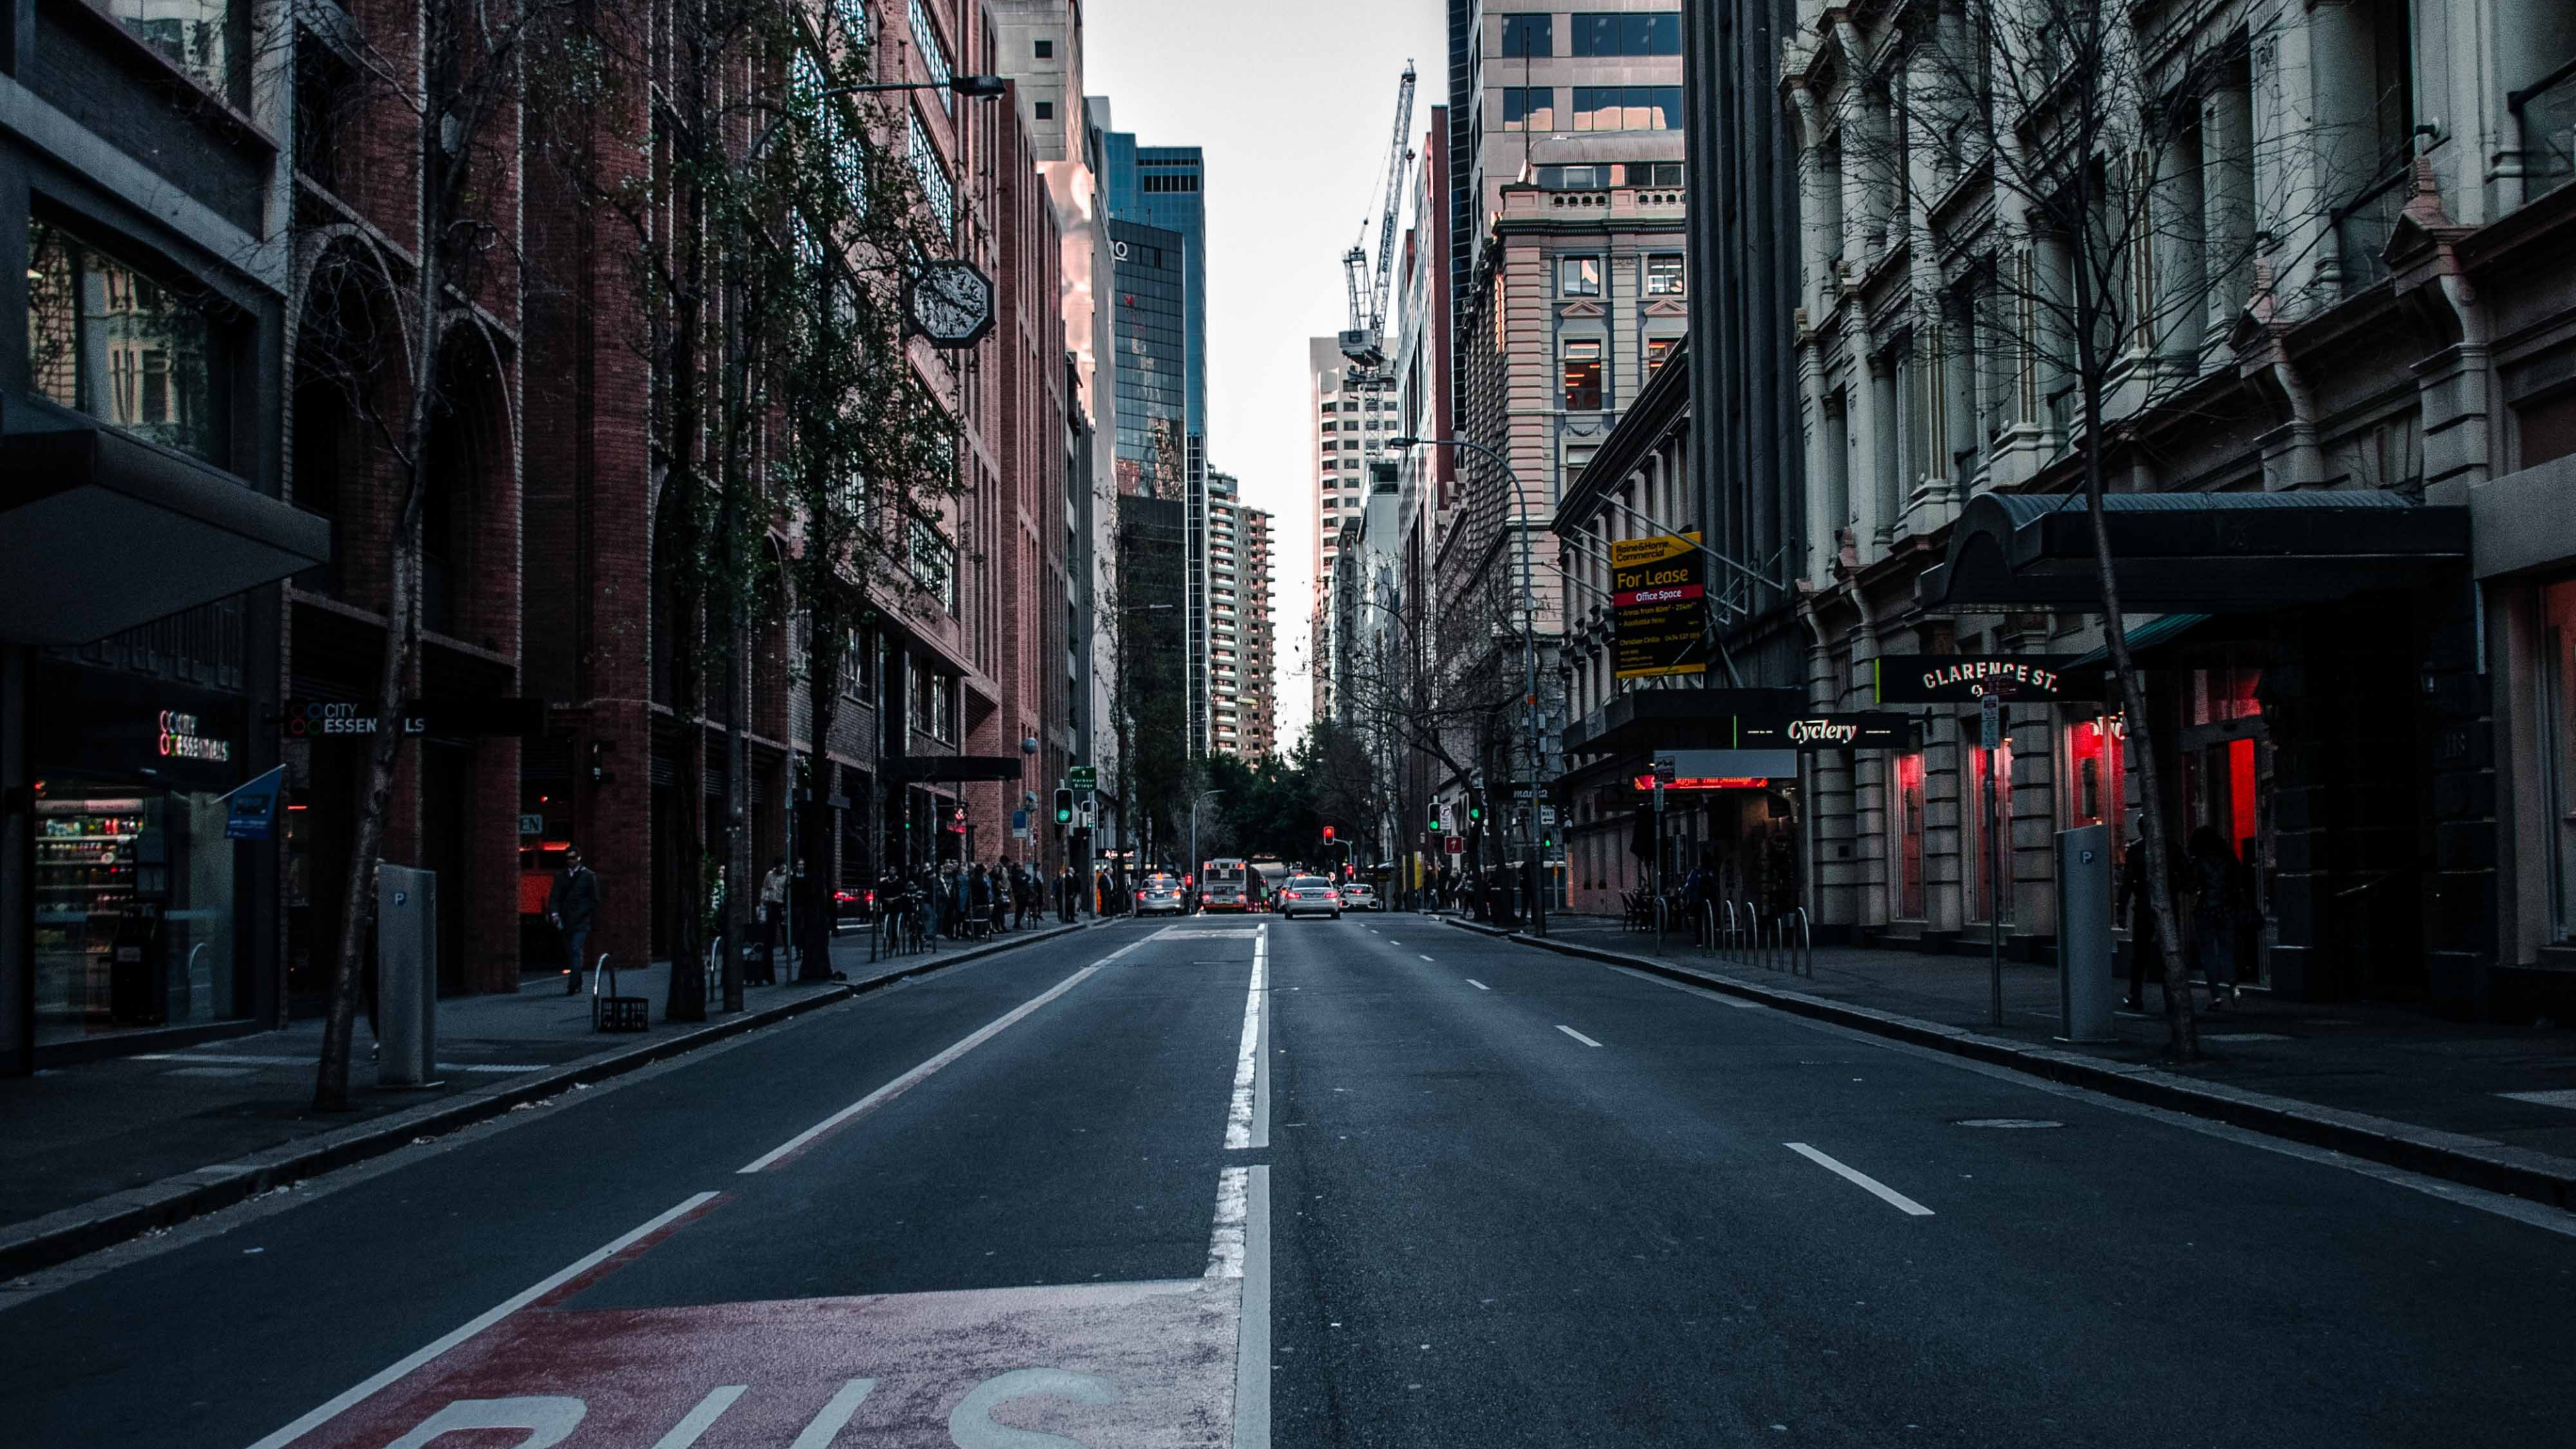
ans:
(2218, 695)
(128, 348)
(2544, 430)
(1979, 872)
(134, 919)
(2096, 793)
(1905, 823)
(2555, 693)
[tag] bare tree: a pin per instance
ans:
(2095, 230)
(449, 88)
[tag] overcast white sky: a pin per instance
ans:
(1294, 101)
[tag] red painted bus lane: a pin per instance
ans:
(1105, 1366)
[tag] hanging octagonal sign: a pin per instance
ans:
(951, 303)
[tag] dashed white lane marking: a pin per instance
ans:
(392, 1372)
(2537, 1099)
(1233, 1203)
(1247, 1057)
(922, 1073)
(1867, 1183)
(1426, 958)
(1578, 1036)
(1479, 985)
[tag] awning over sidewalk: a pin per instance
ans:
(2195, 552)
(100, 531)
(1676, 718)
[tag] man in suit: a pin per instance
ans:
(573, 905)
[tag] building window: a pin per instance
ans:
(204, 39)
(1529, 35)
(1046, 110)
(1974, 870)
(127, 349)
(1578, 276)
(1597, 33)
(1573, 178)
(2095, 791)
(934, 177)
(1657, 349)
(1655, 173)
(1627, 108)
(1529, 108)
(1582, 375)
(934, 56)
(1046, 50)
(1664, 276)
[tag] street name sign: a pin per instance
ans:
(1967, 678)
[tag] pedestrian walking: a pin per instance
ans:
(2146, 942)
(773, 920)
(1064, 894)
(2214, 908)
(573, 906)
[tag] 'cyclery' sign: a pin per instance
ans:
(1867, 730)
(1961, 678)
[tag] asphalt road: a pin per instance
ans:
(1475, 1195)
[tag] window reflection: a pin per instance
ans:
(106, 340)
(194, 35)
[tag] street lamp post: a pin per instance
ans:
(1192, 866)
(1529, 659)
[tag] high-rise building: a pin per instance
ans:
(1239, 662)
(1354, 414)
(1149, 295)
(1568, 286)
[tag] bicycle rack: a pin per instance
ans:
(1708, 933)
(610, 1011)
(1804, 950)
(1663, 919)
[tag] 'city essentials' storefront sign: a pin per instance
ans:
(1966, 678)
(1659, 607)
(339, 719)
(183, 739)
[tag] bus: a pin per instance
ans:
(1225, 884)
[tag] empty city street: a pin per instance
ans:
(1373, 1181)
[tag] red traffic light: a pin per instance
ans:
(1328, 832)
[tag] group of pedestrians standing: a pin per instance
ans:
(2213, 894)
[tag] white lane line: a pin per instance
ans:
(1479, 985)
(1737, 1002)
(920, 1074)
(1426, 958)
(406, 1365)
(1882, 1191)
(1233, 1203)
(1578, 1036)
(1252, 1329)
(1247, 1056)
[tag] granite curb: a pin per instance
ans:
(61, 1236)
(2452, 1156)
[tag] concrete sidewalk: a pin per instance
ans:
(92, 1153)
(2493, 1105)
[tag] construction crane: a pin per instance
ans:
(1364, 341)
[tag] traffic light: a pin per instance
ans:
(1328, 832)
(1064, 807)
(1475, 813)
(1435, 822)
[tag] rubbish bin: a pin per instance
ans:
(406, 976)
(2085, 985)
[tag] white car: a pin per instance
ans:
(1359, 895)
(1309, 895)
(1161, 896)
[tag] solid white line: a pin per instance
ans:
(1247, 1056)
(404, 1366)
(1578, 1036)
(1479, 985)
(1233, 1203)
(1261, 1080)
(1252, 1331)
(1723, 1000)
(1887, 1194)
(919, 1074)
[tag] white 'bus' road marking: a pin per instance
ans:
(1578, 1036)
(1882, 1191)
(920, 1074)
(1247, 1057)
(404, 1366)
(1479, 985)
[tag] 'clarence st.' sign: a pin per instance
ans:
(1964, 678)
